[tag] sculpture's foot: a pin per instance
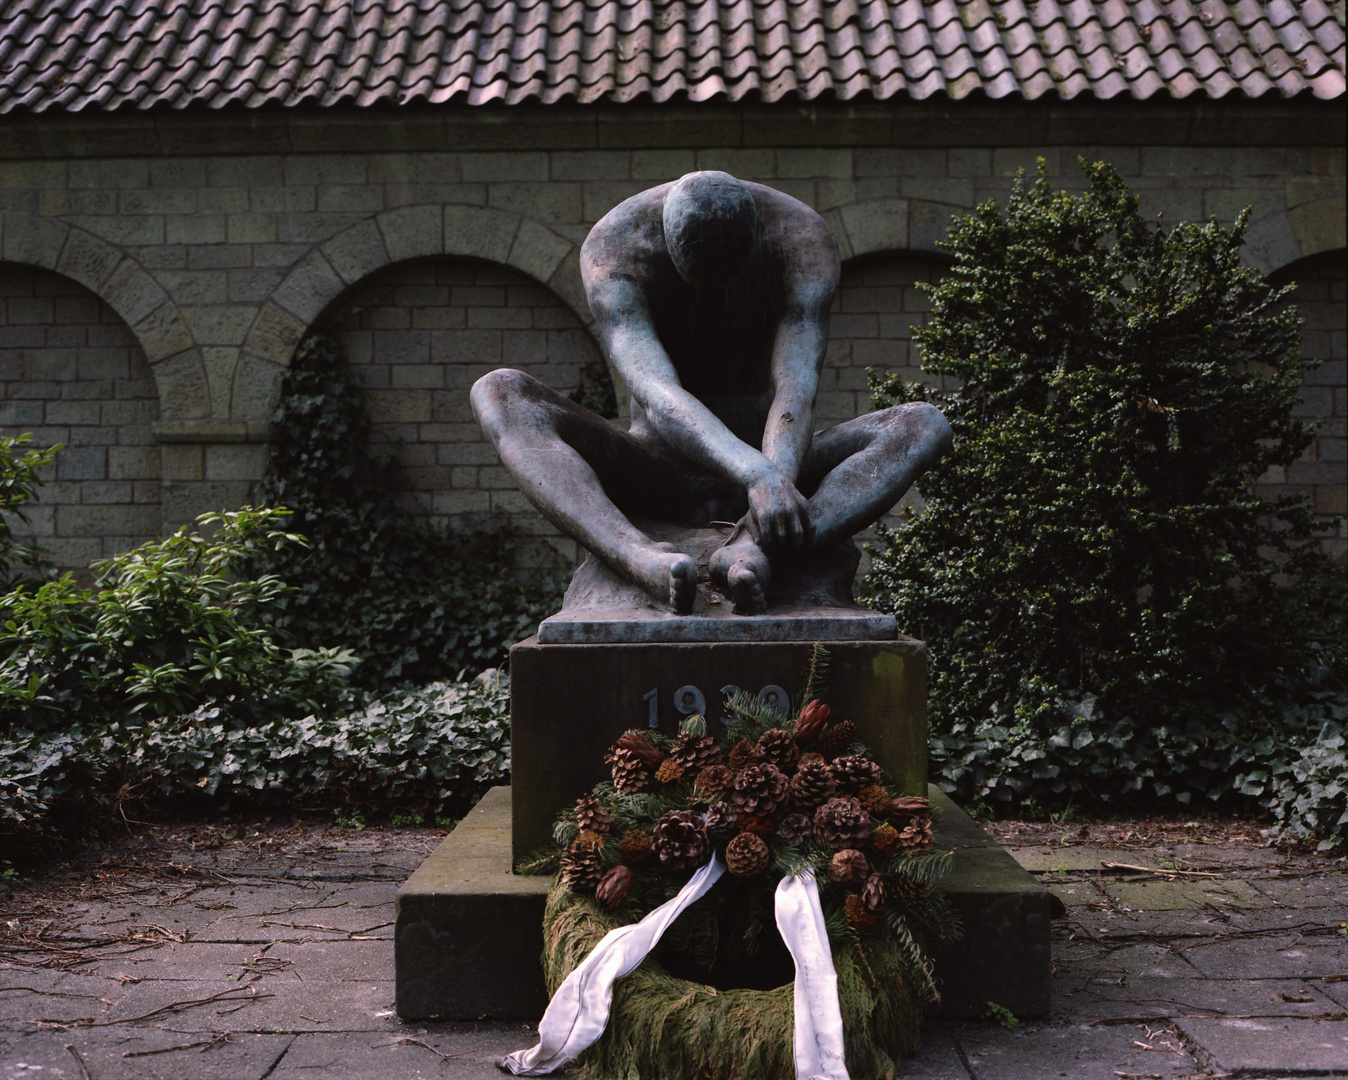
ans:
(667, 575)
(740, 568)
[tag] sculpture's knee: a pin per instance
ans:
(933, 427)
(493, 395)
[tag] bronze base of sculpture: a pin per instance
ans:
(808, 601)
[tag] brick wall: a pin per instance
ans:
(220, 264)
(419, 336)
(72, 373)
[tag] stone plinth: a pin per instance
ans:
(569, 703)
(469, 932)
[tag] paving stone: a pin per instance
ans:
(1102, 996)
(1051, 860)
(260, 1005)
(1318, 891)
(1152, 961)
(459, 1053)
(1270, 956)
(140, 1054)
(1177, 895)
(938, 1055)
(1075, 1051)
(1258, 1047)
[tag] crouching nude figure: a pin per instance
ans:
(712, 296)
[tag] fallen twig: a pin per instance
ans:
(79, 1060)
(204, 1044)
(1158, 871)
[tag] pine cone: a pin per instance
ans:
(908, 891)
(909, 806)
(810, 723)
(580, 869)
(860, 916)
(638, 744)
(670, 771)
(721, 820)
(875, 799)
(855, 771)
(696, 753)
(746, 855)
(636, 846)
(810, 756)
(848, 867)
(591, 815)
(873, 893)
(813, 784)
(842, 822)
(711, 781)
(680, 839)
(886, 839)
(776, 747)
(916, 836)
(741, 754)
(613, 887)
(760, 790)
(837, 739)
(795, 828)
(630, 775)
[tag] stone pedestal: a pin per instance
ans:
(469, 932)
(569, 704)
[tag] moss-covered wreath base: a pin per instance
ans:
(662, 1027)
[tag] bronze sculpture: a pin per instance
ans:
(712, 297)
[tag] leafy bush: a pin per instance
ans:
(413, 604)
(166, 626)
(19, 482)
(1095, 577)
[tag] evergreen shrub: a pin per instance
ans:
(1111, 611)
(414, 604)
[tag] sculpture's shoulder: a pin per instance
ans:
(626, 240)
(800, 239)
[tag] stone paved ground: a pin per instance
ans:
(265, 950)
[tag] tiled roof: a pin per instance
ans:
(104, 54)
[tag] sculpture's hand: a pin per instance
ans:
(780, 511)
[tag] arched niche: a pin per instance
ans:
(419, 334)
(73, 373)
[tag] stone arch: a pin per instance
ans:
(125, 286)
(389, 238)
(418, 334)
(1283, 237)
(889, 225)
(73, 373)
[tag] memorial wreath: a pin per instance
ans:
(701, 983)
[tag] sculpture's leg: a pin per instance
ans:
(854, 474)
(557, 451)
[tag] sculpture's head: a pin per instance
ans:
(711, 226)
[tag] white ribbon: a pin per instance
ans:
(818, 1042)
(578, 1013)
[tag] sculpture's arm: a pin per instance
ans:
(798, 355)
